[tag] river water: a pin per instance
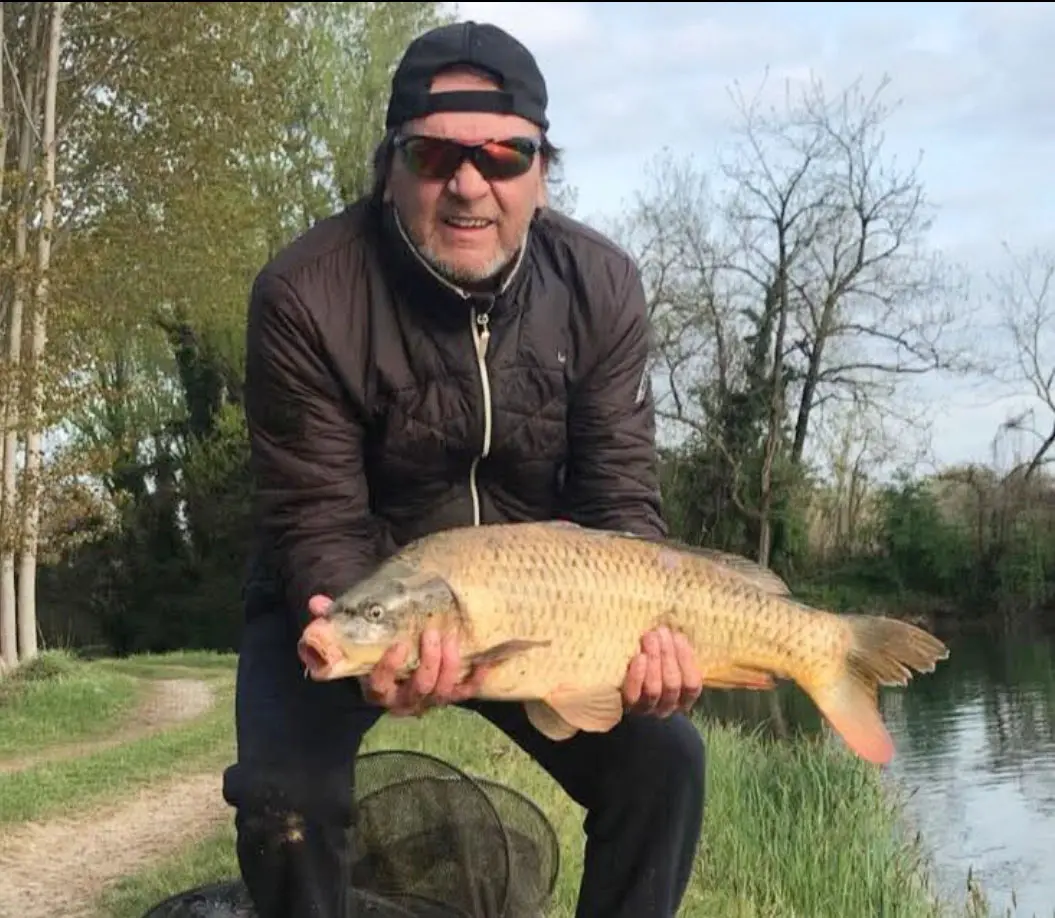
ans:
(976, 753)
(975, 764)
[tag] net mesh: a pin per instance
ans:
(430, 842)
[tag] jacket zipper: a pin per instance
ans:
(479, 325)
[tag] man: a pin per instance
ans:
(447, 352)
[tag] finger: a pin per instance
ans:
(671, 674)
(470, 686)
(449, 669)
(319, 604)
(635, 681)
(691, 677)
(382, 680)
(428, 671)
(653, 687)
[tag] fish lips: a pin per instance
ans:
(326, 657)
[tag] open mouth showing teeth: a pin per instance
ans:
(466, 223)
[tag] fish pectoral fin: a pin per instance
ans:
(731, 676)
(594, 710)
(548, 722)
(505, 651)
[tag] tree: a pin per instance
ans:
(27, 574)
(803, 282)
(1025, 295)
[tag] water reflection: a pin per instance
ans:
(976, 757)
(976, 750)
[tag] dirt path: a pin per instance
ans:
(168, 702)
(60, 866)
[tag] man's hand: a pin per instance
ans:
(434, 683)
(663, 678)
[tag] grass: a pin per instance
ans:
(798, 830)
(46, 789)
(56, 700)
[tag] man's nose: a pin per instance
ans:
(467, 182)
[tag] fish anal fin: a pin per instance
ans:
(594, 710)
(731, 676)
(500, 653)
(881, 651)
(548, 722)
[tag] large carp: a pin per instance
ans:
(561, 609)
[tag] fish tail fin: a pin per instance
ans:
(883, 651)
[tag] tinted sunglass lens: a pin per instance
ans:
(505, 159)
(432, 157)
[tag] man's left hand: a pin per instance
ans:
(663, 678)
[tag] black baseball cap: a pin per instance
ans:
(483, 46)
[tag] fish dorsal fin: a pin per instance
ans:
(761, 578)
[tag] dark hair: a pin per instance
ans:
(552, 157)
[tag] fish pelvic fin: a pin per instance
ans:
(883, 651)
(564, 712)
(548, 722)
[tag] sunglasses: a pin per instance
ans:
(440, 158)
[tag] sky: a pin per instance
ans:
(975, 82)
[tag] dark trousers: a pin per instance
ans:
(642, 785)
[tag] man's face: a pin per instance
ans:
(468, 228)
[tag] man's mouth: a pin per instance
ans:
(467, 223)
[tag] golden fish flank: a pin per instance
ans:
(562, 609)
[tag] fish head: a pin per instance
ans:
(393, 605)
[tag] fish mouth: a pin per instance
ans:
(317, 650)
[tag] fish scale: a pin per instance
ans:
(557, 611)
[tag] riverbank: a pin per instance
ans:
(792, 829)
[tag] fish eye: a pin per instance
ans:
(375, 613)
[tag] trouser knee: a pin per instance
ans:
(668, 757)
(287, 795)
(293, 840)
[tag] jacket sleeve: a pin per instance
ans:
(611, 478)
(312, 499)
